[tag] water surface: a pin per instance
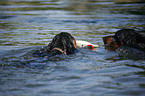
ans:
(28, 25)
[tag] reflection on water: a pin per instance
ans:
(27, 25)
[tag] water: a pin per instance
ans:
(27, 25)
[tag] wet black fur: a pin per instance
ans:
(130, 38)
(64, 41)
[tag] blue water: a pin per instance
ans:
(28, 25)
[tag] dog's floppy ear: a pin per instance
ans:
(69, 44)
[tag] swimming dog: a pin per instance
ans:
(125, 37)
(62, 43)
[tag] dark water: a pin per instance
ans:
(27, 25)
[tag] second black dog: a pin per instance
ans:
(125, 37)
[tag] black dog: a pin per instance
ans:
(62, 43)
(125, 37)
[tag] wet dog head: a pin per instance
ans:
(62, 43)
(111, 43)
(126, 37)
